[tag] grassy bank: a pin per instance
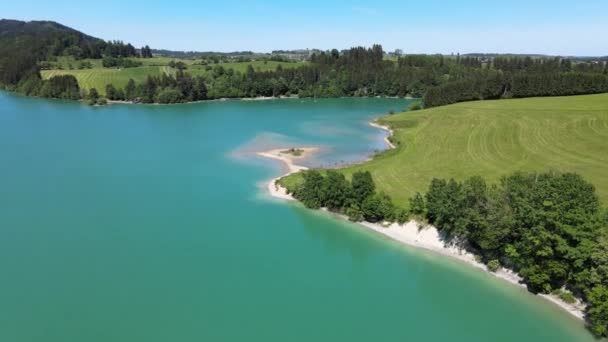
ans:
(98, 76)
(492, 139)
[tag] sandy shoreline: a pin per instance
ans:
(283, 155)
(384, 128)
(410, 234)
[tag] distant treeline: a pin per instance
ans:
(355, 72)
(522, 77)
(119, 62)
(548, 227)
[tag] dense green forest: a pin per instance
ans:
(548, 227)
(355, 72)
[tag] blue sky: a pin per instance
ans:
(424, 26)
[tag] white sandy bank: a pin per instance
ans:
(385, 128)
(412, 233)
(286, 156)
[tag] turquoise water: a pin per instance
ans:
(150, 223)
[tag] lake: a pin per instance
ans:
(151, 223)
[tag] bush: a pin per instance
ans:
(169, 95)
(494, 265)
(118, 62)
(377, 208)
(417, 205)
(402, 216)
(93, 95)
(566, 296)
(417, 105)
(354, 213)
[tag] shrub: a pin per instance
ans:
(378, 207)
(354, 213)
(93, 94)
(494, 265)
(402, 216)
(169, 95)
(417, 105)
(566, 296)
(417, 205)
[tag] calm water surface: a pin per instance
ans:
(150, 223)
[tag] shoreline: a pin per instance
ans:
(282, 154)
(411, 234)
(223, 99)
(387, 129)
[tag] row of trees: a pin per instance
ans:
(119, 62)
(146, 52)
(59, 87)
(495, 85)
(506, 77)
(548, 227)
(162, 89)
(357, 199)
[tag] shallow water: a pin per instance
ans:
(148, 223)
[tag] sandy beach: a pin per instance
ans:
(412, 233)
(287, 156)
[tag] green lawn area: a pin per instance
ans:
(492, 139)
(98, 77)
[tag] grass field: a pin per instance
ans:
(99, 77)
(492, 139)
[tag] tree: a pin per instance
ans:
(169, 95)
(111, 92)
(310, 193)
(597, 311)
(417, 205)
(335, 191)
(130, 90)
(377, 208)
(93, 94)
(362, 185)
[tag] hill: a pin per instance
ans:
(492, 139)
(23, 44)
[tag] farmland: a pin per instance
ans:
(98, 76)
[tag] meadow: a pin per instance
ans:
(99, 77)
(491, 139)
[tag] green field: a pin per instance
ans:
(492, 139)
(98, 77)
